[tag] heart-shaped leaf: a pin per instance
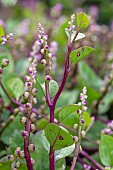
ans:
(61, 153)
(57, 137)
(67, 110)
(53, 88)
(16, 86)
(82, 20)
(80, 53)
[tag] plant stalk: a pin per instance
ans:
(77, 149)
(66, 71)
(26, 143)
(96, 164)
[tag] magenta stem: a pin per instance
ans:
(51, 153)
(96, 164)
(26, 143)
(66, 72)
(51, 159)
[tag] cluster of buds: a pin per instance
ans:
(6, 38)
(71, 25)
(19, 154)
(30, 91)
(35, 53)
(83, 97)
(45, 49)
(109, 129)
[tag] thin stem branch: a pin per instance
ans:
(77, 149)
(66, 71)
(96, 164)
(10, 98)
(103, 120)
(83, 162)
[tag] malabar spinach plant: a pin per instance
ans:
(56, 140)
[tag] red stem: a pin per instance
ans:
(96, 164)
(51, 154)
(82, 162)
(51, 159)
(66, 71)
(26, 143)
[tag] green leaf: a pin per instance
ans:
(7, 74)
(40, 153)
(79, 36)
(73, 118)
(40, 80)
(45, 142)
(8, 132)
(94, 133)
(61, 153)
(67, 110)
(5, 165)
(60, 164)
(16, 85)
(82, 20)
(80, 53)
(42, 123)
(106, 150)
(86, 74)
(106, 103)
(87, 119)
(41, 85)
(65, 98)
(57, 137)
(1, 32)
(23, 64)
(5, 84)
(53, 88)
(10, 68)
(14, 143)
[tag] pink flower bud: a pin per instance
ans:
(5, 62)
(25, 134)
(47, 78)
(33, 117)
